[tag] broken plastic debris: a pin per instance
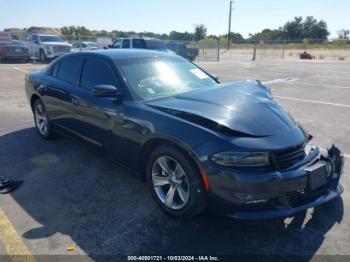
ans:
(70, 248)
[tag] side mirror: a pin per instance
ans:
(216, 78)
(36, 42)
(106, 91)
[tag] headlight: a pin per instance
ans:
(241, 159)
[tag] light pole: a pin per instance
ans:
(229, 27)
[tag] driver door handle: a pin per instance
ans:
(75, 101)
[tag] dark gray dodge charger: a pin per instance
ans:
(196, 142)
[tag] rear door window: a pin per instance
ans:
(70, 69)
(138, 43)
(96, 72)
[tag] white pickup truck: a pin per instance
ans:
(47, 46)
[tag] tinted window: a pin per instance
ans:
(126, 43)
(155, 45)
(55, 69)
(138, 43)
(69, 70)
(96, 72)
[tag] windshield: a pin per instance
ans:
(50, 38)
(151, 78)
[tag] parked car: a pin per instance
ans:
(48, 46)
(158, 45)
(15, 50)
(85, 46)
(195, 141)
(184, 50)
(139, 43)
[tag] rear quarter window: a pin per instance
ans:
(54, 70)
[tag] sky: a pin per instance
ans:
(163, 16)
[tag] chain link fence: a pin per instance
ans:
(287, 50)
(216, 49)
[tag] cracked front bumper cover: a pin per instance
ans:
(291, 202)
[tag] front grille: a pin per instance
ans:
(287, 158)
(59, 48)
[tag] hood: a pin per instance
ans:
(56, 43)
(240, 108)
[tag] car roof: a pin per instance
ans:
(128, 53)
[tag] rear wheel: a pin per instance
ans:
(42, 122)
(175, 183)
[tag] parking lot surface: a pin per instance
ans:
(73, 197)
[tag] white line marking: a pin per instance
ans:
(19, 69)
(312, 101)
(319, 85)
(280, 80)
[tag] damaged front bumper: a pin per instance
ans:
(284, 193)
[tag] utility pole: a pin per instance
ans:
(79, 39)
(229, 27)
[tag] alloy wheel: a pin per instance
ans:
(170, 182)
(41, 119)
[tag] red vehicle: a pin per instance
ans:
(14, 50)
(306, 55)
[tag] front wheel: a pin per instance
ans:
(42, 122)
(175, 182)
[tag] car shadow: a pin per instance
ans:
(107, 211)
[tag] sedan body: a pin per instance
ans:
(197, 142)
(16, 50)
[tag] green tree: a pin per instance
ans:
(200, 31)
(315, 29)
(235, 37)
(310, 28)
(74, 30)
(186, 36)
(294, 29)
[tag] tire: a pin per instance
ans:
(43, 57)
(193, 200)
(43, 128)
